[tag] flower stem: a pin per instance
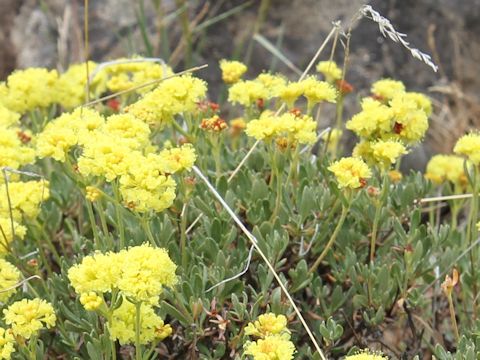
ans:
(324, 253)
(472, 234)
(451, 309)
(183, 233)
(120, 224)
(138, 349)
(376, 219)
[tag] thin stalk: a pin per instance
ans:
(120, 224)
(376, 220)
(472, 234)
(93, 224)
(324, 253)
(103, 222)
(138, 349)
(148, 231)
(451, 309)
(183, 233)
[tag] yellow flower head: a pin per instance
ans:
(133, 131)
(27, 317)
(25, 199)
(247, 93)
(146, 187)
(172, 97)
(443, 168)
(469, 146)
(7, 343)
(91, 301)
(267, 324)
(366, 355)
(318, 91)
(385, 89)
(144, 273)
(13, 153)
(92, 193)
(213, 124)
(30, 89)
(123, 324)
(273, 83)
(387, 152)
(330, 70)
(350, 172)
(232, 71)
(272, 347)
(9, 276)
(290, 92)
(6, 235)
(395, 176)
(96, 273)
(177, 159)
(374, 120)
(411, 121)
(8, 117)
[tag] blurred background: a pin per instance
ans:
(50, 33)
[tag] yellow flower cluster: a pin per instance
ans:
(350, 172)
(25, 198)
(330, 70)
(8, 117)
(139, 272)
(28, 89)
(387, 152)
(393, 114)
(273, 338)
(366, 355)
(172, 97)
(91, 301)
(443, 168)
(7, 342)
(27, 317)
(296, 129)
(6, 234)
(9, 276)
(313, 90)
(126, 74)
(232, 71)
(123, 324)
(13, 152)
(469, 146)
(247, 93)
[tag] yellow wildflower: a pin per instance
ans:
(422, 101)
(374, 120)
(13, 153)
(395, 176)
(7, 342)
(123, 324)
(267, 324)
(443, 168)
(91, 301)
(232, 71)
(6, 235)
(25, 199)
(144, 273)
(8, 117)
(364, 150)
(177, 159)
(290, 93)
(92, 193)
(247, 93)
(318, 91)
(213, 124)
(146, 187)
(469, 146)
(411, 121)
(27, 317)
(350, 172)
(387, 152)
(9, 276)
(272, 347)
(385, 89)
(330, 70)
(133, 131)
(30, 89)
(96, 273)
(273, 83)
(172, 97)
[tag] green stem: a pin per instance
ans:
(376, 220)
(93, 224)
(278, 198)
(324, 253)
(103, 222)
(148, 231)
(451, 309)
(472, 235)
(138, 350)
(120, 224)
(183, 234)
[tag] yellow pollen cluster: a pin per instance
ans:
(273, 338)
(91, 301)
(386, 89)
(443, 168)
(247, 93)
(469, 146)
(350, 172)
(9, 277)
(386, 153)
(232, 71)
(297, 129)
(27, 317)
(330, 70)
